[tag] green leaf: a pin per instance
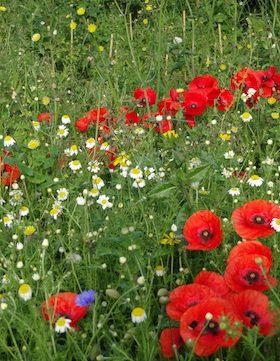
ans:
(163, 190)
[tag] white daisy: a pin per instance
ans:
(105, 146)
(90, 143)
(62, 194)
(9, 141)
(103, 200)
(8, 220)
(62, 325)
(229, 155)
(234, 191)
(65, 119)
(255, 181)
(75, 165)
(136, 173)
(62, 131)
(139, 183)
(36, 125)
(94, 192)
(138, 315)
(275, 224)
(81, 201)
(73, 150)
(149, 172)
(94, 166)
(25, 292)
(24, 211)
(246, 117)
(97, 181)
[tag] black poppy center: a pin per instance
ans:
(212, 327)
(193, 105)
(206, 235)
(193, 324)
(254, 318)
(264, 77)
(258, 220)
(252, 277)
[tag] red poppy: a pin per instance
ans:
(132, 118)
(144, 95)
(224, 100)
(98, 115)
(168, 106)
(253, 219)
(183, 297)
(170, 338)
(8, 173)
(190, 120)
(246, 248)
(163, 126)
(82, 124)
(266, 80)
(68, 304)
(244, 79)
(206, 332)
(213, 280)
(174, 95)
(253, 308)
(203, 231)
(276, 79)
(194, 103)
(203, 84)
(44, 117)
(250, 272)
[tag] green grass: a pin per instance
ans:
(69, 69)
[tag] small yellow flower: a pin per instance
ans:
(29, 230)
(275, 115)
(222, 67)
(73, 25)
(45, 100)
(145, 21)
(33, 144)
(234, 129)
(239, 46)
(271, 100)
(3, 8)
(92, 28)
(249, 46)
(121, 159)
(170, 239)
(100, 48)
(225, 136)
(36, 37)
(170, 134)
(81, 11)
(149, 8)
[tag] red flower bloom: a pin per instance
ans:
(163, 126)
(44, 117)
(213, 280)
(98, 115)
(250, 272)
(203, 84)
(144, 95)
(224, 100)
(266, 80)
(169, 338)
(183, 297)
(253, 219)
(250, 247)
(68, 304)
(207, 334)
(132, 118)
(194, 103)
(244, 79)
(253, 308)
(203, 231)
(168, 106)
(190, 120)
(8, 173)
(82, 124)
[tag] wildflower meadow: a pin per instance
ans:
(139, 180)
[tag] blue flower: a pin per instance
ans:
(85, 298)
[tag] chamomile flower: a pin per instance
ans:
(24, 211)
(149, 173)
(81, 201)
(97, 181)
(139, 183)
(103, 200)
(65, 119)
(8, 220)
(62, 325)
(94, 166)
(159, 271)
(234, 191)
(73, 150)
(255, 181)
(136, 173)
(138, 315)
(246, 117)
(90, 143)
(36, 125)
(25, 292)
(275, 224)
(229, 155)
(94, 192)
(56, 210)
(75, 165)
(9, 141)
(105, 146)
(62, 131)
(62, 194)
